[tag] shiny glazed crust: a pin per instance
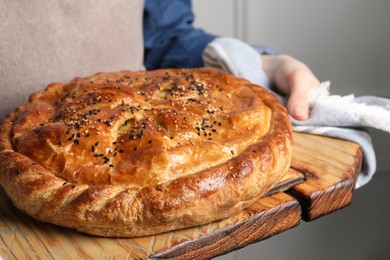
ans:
(139, 153)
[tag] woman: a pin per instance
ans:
(171, 41)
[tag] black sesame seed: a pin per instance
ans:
(232, 152)
(132, 110)
(140, 134)
(18, 171)
(135, 148)
(76, 141)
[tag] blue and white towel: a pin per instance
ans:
(344, 117)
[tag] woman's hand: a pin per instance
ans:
(293, 78)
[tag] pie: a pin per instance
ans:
(129, 154)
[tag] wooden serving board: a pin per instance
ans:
(321, 178)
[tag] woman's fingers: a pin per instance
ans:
(293, 78)
(300, 82)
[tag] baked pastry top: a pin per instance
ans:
(138, 153)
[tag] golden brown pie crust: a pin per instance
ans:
(139, 153)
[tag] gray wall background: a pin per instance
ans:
(346, 42)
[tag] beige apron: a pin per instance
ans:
(44, 41)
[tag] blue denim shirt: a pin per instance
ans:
(170, 39)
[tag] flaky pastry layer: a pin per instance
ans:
(139, 153)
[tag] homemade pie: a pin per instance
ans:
(139, 153)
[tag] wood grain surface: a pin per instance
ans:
(330, 167)
(323, 174)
